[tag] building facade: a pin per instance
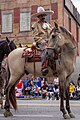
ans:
(16, 21)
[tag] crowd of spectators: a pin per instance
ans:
(38, 87)
(74, 89)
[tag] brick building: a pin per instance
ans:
(15, 18)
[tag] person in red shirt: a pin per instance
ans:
(20, 84)
(19, 89)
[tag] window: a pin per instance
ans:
(77, 33)
(6, 22)
(69, 24)
(25, 21)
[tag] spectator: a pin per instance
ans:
(35, 89)
(39, 81)
(19, 89)
(78, 92)
(44, 89)
(27, 87)
(72, 90)
(19, 93)
(50, 92)
(56, 88)
(78, 88)
(25, 82)
(20, 85)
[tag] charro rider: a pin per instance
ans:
(41, 31)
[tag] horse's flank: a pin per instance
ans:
(20, 64)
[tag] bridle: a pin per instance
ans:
(57, 51)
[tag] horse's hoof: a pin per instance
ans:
(2, 107)
(71, 115)
(11, 107)
(8, 113)
(66, 116)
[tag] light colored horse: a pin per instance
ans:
(61, 54)
(17, 67)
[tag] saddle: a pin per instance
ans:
(31, 55)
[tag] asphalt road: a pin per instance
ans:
(41, 110)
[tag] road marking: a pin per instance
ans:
(38, 105)
(76, 105)
(48, 116)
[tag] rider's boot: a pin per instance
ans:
(44, 68)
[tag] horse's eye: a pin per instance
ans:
(53, 36)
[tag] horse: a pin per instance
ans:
(6, 46)
(61, 54)
(18, 63)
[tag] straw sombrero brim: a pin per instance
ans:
(42, 13)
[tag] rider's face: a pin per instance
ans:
(42, 18)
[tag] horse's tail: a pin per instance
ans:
(8, 76)
(12, 96)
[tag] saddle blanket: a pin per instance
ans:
(31, 55)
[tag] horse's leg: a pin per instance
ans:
(1, 92)
(67, 100)
(7, 103)
(1, 98)
(62, 89)
(14, 79)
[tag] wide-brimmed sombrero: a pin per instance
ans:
(42, 11)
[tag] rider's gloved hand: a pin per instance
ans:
(34, 43)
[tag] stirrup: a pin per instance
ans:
(44, 71)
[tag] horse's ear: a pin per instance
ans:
(13, 40)
(7, 39)
(56, 25)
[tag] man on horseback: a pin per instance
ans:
(41, 30)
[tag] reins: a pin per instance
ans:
(70, 50)
(62, 53)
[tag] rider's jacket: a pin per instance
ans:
(41, 31)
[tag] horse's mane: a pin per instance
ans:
(68, 34)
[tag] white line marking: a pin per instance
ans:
(49, 116)
(77, 105)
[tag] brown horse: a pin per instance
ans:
(62, 47)
(61, 54)
(6, 46)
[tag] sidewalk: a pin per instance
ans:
(29, 98)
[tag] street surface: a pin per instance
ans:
(41, 110)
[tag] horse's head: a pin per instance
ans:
(7, 46)
(56, 41)
(11, 44)
(60, 42)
